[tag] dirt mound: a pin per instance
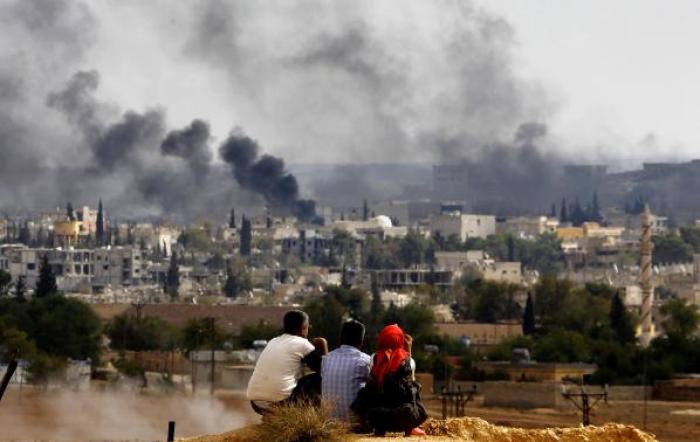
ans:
(478, 430)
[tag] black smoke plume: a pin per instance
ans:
(192, 145)
(265, 175)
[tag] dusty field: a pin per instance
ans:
(115, 416)
(125, 416)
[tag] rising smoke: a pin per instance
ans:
(316, 82)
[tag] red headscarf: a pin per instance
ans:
(390, 352)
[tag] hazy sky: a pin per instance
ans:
(619, 70)
(619, 76)
(344, 81)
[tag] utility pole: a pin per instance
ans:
(212, 338)
(11, 367)
(139, 307)
(587, 404)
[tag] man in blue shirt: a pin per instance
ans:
(344, 371)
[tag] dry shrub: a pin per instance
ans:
(299, 423)
(475, 429)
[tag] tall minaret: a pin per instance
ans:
(647, 331)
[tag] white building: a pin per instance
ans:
(464, 226)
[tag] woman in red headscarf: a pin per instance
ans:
(390, 401)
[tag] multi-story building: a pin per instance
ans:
(95, 268)
(309, 245)
(119, 265)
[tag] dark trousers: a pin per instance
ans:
(308, 391)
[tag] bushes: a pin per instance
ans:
(298, 423)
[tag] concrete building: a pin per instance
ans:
(309, 245)
(457, 261)
(481, 337)
(77, 269)
(507, 272)
(67, 233)
(380, 226)
(464, 226)
(407, 278)
(527, 226)
(119, 265)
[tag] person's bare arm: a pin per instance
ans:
(313, 359)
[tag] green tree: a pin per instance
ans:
(100, 225)
(621, 321)
(412, 249)
(20, 288)
(127, 332)
(262, 330)
(172, 279)
(237, 278)
(64, 327)
(246, 239)
(46, 283)
(529, 316)
(195, 239)
(365, 211)
(5, 283)
(691, 236)
(563, 214)
(680, 318)
(550, 296)
(670, 248)
(70, 212)
(202, 334)
(561, 345)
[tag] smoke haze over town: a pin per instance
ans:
(142, 116)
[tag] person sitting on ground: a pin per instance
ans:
(277, 376)
(344, 372)
(391, 401)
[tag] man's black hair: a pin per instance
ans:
(294, 320)
(352, 333)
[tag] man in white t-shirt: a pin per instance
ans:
(277, 376)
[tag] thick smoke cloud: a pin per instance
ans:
(192, 145)
(265, 175)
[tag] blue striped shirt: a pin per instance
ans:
(344, 371)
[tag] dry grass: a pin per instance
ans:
(299, 423)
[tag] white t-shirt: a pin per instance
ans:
(278, 368)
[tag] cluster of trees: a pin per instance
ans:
(48, 329)
(577, 214)
(565, 323)
(339, 304)
(677, 247)
(542, 253)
